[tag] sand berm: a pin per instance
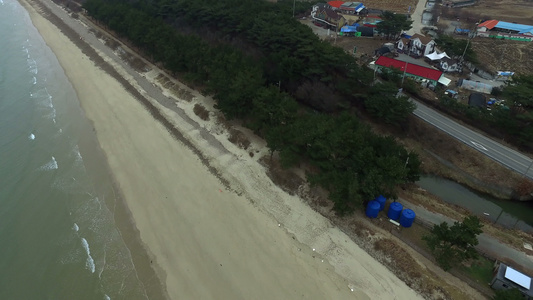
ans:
(212, 221)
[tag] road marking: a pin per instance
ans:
(478, 145)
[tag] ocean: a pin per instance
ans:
(58, 235)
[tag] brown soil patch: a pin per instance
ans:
(399, 6)
(504, 55)
(238, 138)
(365, 45)
(518, 11)
(201, 112)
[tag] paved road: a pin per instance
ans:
(506, 156)
(487, 244)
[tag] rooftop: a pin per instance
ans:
(335, 4)
(424, 39)
(412, 69)
(490, 24)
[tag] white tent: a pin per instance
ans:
(435, 56)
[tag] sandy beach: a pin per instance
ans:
(214, 225)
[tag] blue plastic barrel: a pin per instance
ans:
(395, 209)
(372, 209)
(381, 200)
(407, 217)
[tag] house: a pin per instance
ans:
(402, 45)
(506, 27)
(352, 8)
(323, 13)
(477, 100)
(506, 277)
(416, 45)
(382, 51)
(420, 45)
(505, 30)
(418, 73)
(335, 5)
(447, 64)
(371, 21)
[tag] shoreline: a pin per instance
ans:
(301, 226)
(140, 255)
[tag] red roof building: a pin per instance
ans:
(488, 24)
(336, 4)
(413, 70)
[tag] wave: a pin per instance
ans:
(76, 227)
(90, 261)
(106, 297)
(32, 64)
(51, 165)
(31, 136)
(79, 158)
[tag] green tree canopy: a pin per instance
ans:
(393, 24)
(519, 91)
(455, 244)
(456, 47)
(384, 104)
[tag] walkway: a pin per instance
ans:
(487, 244)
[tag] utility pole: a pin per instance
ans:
(404, 72)
(471, 36)
(293, 7)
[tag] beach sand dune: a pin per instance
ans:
(246, 240)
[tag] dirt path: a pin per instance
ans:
(416, 16)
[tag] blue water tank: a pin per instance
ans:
(395, 209)
(381, 200)
(407, 217)
(372, 209)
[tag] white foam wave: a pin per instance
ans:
(34, 80)
(31, 136)
(76, 227)
(76, 150)
(90, 261)
(32, 64)
(106, 297)
(51, 165)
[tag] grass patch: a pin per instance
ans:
(479, 270)
(174, 88)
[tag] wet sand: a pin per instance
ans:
(212, 222)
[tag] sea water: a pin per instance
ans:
(58, 238)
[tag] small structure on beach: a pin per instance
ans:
(506, 277)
